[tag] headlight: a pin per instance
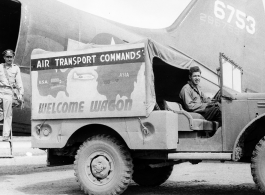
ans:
(43, 129)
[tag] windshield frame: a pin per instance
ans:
(235, 72)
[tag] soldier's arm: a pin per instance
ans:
(19, 82)
(189, 103)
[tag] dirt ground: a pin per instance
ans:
(29, 175)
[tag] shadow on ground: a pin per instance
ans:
(70, 187)
(193, 188)
(65, 186)
(28, 169)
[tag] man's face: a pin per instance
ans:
(9, 59)
(195, 78)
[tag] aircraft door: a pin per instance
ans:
(9, 24)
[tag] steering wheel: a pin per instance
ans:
(217, 96)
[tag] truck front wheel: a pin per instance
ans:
(258, 165)
(103, 166)
(147, 176)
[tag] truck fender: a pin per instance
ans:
(238, 146)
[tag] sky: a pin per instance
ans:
(139, 13)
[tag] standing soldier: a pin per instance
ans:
(11, 88)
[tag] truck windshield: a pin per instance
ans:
(231, 74)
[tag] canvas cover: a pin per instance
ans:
(99, 81)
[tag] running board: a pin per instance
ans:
(200, 156)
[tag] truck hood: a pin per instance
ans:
(229, 93)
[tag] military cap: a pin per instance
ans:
(8, 52)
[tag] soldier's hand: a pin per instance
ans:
(20, 97)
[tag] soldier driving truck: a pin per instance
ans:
(115, 113)
(194, 100)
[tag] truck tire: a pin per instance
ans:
(258, 165)
(103, 166)
(152, 176)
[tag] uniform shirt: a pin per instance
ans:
(192, 98)
(13, 72)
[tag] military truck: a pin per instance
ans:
(114, 111)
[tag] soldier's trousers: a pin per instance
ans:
(213, 112)
(7, 108)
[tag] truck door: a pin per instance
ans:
(232, 109)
